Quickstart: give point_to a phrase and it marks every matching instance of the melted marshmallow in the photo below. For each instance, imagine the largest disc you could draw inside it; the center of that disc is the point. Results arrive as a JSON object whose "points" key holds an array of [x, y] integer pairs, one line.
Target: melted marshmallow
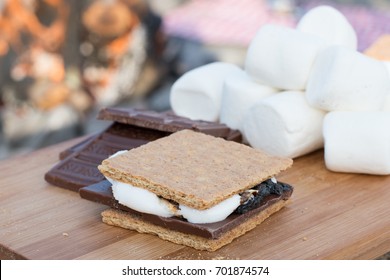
{"points": [[140, 199], [216, 213], [145, 201]]}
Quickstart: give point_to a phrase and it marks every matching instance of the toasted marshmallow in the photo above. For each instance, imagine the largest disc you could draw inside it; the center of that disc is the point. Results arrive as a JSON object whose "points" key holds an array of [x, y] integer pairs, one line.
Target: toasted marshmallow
{"points": [[282, 57], [197, 94], [358, 142], [284, 125], [344, 79], [329, 24], [239, 94]]}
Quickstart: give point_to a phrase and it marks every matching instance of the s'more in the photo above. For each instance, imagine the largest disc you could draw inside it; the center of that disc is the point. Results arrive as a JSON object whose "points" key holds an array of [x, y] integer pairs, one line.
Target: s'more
{"points": [[194, 189]]}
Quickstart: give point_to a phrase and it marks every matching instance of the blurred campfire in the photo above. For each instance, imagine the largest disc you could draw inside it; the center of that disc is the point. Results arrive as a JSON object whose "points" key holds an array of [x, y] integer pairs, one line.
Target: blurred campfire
{"points": [[73, 56]]}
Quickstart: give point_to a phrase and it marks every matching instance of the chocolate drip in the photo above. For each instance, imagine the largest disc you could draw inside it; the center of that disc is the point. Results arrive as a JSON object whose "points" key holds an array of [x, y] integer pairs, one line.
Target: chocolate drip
{"points": [[261, 192]]}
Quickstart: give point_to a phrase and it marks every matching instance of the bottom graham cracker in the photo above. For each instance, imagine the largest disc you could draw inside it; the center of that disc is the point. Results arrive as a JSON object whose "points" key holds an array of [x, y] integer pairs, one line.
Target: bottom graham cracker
{"points": [[130, 221]]}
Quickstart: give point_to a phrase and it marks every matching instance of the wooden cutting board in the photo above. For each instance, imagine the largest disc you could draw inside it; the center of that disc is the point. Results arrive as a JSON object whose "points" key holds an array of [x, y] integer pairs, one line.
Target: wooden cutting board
{"points": [[331, 216]]}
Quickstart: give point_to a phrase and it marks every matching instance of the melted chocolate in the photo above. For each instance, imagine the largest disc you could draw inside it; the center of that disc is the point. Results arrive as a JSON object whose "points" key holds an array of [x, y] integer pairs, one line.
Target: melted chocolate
{"points": [[261, 192]]}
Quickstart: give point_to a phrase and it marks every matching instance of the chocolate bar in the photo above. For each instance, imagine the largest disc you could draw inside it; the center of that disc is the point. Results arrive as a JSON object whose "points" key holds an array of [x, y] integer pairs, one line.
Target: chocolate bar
{"points": [[79, 169], [167, 122], [101, 193], [130, 128], [78, 147]]}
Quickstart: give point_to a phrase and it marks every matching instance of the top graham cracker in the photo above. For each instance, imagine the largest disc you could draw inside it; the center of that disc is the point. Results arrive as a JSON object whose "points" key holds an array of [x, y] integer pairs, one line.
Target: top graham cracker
{"points": [[194, 169]]}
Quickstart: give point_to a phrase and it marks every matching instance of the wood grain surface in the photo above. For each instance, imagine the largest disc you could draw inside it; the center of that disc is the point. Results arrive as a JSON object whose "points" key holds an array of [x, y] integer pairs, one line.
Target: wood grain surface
{"points": [[331, 216]]}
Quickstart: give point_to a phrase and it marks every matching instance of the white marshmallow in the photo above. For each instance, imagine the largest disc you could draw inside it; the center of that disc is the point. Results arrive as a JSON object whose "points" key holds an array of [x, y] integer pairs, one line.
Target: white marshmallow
{"points": [[197, 94], [145, 201], [357, 142], [387, 66], [239, 94], [118, 153], [282, 57], [284, 125], [329, 24], [216, 213], [346, 80], [386, 104], [140, 199]]}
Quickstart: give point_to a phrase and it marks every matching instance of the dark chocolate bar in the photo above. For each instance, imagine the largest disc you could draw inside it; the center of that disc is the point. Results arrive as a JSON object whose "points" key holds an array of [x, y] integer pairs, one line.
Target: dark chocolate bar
{"points": [[78, 147], [168, 122], [101, 193], [79, 169], [131, 128]]}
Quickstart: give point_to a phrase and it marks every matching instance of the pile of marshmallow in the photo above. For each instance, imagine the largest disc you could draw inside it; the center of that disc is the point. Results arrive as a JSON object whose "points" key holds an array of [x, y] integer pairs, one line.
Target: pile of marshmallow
{"points": [[300, 90]]}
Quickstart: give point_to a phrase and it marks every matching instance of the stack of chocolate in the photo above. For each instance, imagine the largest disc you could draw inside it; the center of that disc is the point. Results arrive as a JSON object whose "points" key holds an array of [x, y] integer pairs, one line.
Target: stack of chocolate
{"points": [[130, 128]]}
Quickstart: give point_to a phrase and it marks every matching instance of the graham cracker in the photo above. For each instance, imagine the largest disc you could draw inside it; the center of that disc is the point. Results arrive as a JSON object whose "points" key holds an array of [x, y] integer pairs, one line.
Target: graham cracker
{"points": [[194, 169], [130, 221]]}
